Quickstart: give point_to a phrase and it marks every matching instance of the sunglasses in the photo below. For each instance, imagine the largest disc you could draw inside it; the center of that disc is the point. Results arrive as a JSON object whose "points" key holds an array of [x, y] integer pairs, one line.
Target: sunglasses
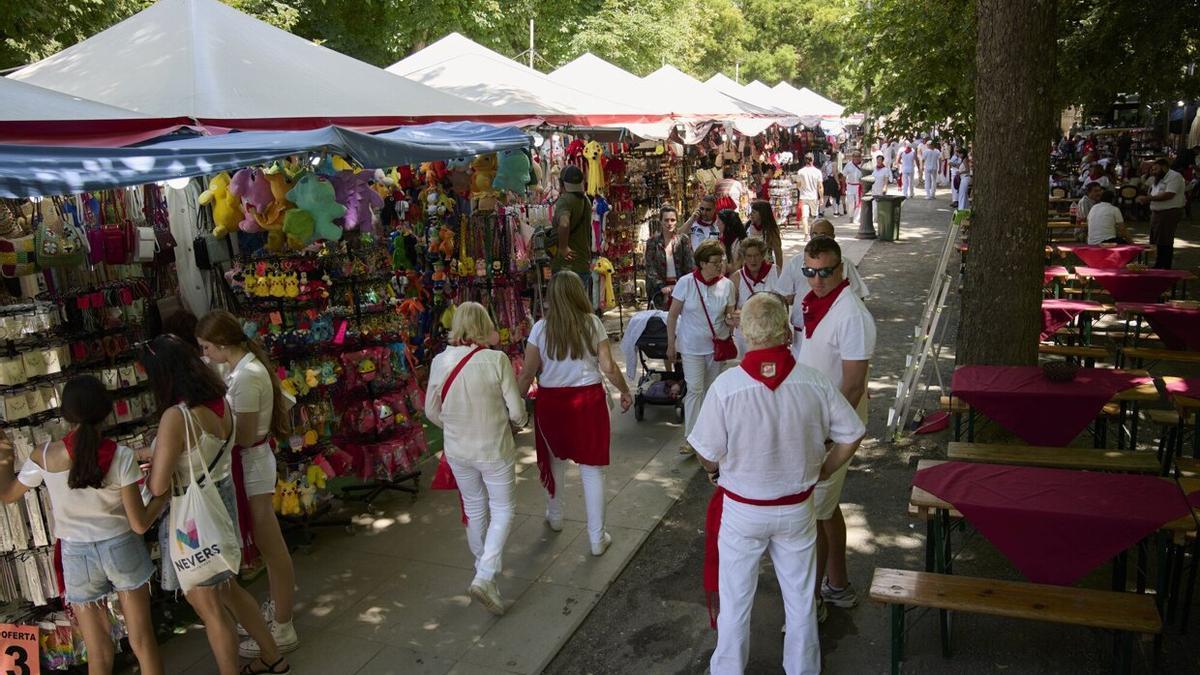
{"points": [[823, 272]]}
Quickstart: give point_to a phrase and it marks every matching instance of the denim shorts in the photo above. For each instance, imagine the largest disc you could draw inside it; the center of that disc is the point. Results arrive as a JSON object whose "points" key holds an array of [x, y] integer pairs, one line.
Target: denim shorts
{"points": [[170, 581], [93, 569]]}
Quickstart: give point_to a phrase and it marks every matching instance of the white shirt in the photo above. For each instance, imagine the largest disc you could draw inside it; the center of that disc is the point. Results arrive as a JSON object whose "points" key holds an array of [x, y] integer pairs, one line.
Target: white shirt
{"points": [[692, 334], [847, 333], [882, 176], [669, 250], [1171, 182], [955, 161], [250, 391], [700, 232], [771, 444], [808, 180], [481, 402], [857, 285], [1102, 222], [853, 173], [908, 160], [828, 168], [87, 514], [932, 159], [745, 289], [578, 372]]}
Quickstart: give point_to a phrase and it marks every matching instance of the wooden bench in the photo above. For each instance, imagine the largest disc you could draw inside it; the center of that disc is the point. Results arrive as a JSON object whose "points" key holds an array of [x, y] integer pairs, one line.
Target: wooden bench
{"points": [[1091, 459], [1124, 613], [1139, 355], [1087, 355]]}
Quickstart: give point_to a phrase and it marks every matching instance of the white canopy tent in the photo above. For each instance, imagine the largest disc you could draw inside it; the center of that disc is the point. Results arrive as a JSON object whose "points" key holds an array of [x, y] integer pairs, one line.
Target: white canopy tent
{"points": [[701, 101], [203, 60], [805, 101], [593, 71], [754, 97], [33, 115], [463, 68]]}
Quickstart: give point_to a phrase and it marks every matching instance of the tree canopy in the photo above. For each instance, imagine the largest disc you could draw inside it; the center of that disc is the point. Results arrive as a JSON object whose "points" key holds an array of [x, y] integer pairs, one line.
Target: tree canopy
{"points": [[908, 63]]}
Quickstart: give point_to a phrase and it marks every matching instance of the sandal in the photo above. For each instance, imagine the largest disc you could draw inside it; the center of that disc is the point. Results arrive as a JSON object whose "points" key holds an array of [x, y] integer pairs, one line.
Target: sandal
{"points": [[267, 668]]}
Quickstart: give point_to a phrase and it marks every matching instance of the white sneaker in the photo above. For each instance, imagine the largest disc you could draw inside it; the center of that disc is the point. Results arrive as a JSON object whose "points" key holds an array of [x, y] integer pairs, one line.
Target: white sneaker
{"points": [[485, 591], [555, 523], [268, 612], [601, 546], [285, 639]]}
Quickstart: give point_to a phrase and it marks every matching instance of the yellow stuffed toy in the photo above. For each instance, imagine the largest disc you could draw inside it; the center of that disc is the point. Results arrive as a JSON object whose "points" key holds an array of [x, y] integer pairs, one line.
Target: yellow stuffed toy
{"points": [[226, 207], [604, 268], [271, 218], [483, 172], [289, 498], [316, 476]]}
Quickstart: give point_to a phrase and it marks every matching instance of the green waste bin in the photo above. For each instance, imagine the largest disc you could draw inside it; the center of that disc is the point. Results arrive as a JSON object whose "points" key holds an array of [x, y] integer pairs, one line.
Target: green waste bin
{"points": [[887, 209]]}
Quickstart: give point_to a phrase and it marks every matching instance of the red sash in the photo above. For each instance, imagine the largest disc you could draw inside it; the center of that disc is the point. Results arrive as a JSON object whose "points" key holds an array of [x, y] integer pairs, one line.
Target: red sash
{"points": [[570, 423], [245, 521], [444, 478], [712, 528]]}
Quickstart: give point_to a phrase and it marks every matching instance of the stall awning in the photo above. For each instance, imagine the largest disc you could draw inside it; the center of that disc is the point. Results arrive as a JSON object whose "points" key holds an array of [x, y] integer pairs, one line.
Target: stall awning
{"points": [[38, 116], [27, 171]]}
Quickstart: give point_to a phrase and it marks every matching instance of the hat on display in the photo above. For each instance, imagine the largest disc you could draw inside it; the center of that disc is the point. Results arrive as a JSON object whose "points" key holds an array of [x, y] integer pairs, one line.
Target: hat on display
{"points": [[572, 178]]}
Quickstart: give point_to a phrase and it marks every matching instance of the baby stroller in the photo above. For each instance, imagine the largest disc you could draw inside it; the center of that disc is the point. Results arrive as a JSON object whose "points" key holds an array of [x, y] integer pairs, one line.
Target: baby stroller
{"points": [[657, 387]]}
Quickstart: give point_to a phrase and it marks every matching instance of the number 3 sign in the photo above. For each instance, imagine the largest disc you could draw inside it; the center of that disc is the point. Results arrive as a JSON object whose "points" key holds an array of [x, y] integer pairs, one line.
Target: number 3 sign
{"points": [[19, 650]]}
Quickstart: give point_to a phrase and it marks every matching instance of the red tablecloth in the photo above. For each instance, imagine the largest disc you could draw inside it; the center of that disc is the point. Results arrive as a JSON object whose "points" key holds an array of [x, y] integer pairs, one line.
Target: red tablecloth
{"points": [[1022, 400], [1056, 525], [1125, 286], [1188, 387], [1057, 313], [1104, 257], [1177, 327], [1053, 272]]}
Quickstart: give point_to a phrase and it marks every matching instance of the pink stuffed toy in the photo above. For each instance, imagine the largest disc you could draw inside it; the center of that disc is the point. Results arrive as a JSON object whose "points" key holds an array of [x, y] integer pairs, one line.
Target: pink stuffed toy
{"points": [[354, 191], [252, 187]]}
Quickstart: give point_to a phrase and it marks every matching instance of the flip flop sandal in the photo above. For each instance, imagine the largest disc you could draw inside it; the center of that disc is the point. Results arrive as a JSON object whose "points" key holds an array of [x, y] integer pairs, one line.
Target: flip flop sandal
{"points": [[267, 668]]}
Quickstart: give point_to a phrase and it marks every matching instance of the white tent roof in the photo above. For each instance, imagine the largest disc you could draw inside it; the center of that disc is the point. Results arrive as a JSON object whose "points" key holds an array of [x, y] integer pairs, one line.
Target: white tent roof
{"points": [[697, 99], [204, 60], [593, 71], [458, 66], [734, 90], [805, 101], [26, 102]]}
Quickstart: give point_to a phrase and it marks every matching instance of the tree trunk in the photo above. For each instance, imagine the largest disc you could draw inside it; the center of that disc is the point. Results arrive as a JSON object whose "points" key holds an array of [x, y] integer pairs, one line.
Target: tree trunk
{"points": [[1002, 293]]}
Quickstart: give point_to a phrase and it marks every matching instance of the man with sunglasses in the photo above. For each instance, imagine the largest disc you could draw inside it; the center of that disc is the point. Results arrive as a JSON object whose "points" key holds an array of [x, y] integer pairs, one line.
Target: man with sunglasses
{"points": [[835, 334]]}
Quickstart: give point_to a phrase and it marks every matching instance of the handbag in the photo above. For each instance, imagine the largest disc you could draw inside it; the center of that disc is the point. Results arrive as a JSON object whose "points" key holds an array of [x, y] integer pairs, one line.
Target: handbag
{"points": [[203, 540], [147, 245], [444, 478], [57, 243], [724, 349]]}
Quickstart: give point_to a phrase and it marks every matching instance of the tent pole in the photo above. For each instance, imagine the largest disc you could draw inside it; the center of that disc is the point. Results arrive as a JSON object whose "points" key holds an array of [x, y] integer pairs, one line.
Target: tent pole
{"points": [[531, 43]]}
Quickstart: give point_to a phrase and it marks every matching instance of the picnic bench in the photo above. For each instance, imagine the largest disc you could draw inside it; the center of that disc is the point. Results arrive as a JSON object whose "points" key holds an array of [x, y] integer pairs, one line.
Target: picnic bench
{"points": [[1126, 614], [1076, 354], [1091, 459]]}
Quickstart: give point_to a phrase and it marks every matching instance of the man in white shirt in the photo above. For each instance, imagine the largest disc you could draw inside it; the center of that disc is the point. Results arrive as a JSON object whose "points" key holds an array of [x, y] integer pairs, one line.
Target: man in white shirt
{"points": [[809, 180], [703, 223], [772, 428], [835, 334], [954, 161], [908, 166], [1105, 224], [1166, 200], [853, 173], [932, 161], [824, 228], [829, 168]]}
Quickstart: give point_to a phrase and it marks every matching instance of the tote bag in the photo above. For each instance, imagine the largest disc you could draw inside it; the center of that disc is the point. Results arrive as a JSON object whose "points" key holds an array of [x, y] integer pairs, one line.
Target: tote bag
{"points": [[204, 539]]}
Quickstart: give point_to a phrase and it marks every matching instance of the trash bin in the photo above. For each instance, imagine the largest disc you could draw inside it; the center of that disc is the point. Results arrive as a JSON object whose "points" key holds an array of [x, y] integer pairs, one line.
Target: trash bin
{"points": [[888, 209]]}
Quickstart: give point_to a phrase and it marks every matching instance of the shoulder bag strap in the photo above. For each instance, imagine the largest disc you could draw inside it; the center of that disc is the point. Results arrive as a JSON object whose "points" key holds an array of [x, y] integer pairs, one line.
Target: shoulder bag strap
{"points": [[457, 369], [700, 294]]}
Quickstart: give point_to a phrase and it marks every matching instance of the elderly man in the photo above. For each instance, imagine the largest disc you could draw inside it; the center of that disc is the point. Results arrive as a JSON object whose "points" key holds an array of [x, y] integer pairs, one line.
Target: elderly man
{"points": [[763, 434], [835, 334], [668, 255], [703, 223], [1166, 200]]}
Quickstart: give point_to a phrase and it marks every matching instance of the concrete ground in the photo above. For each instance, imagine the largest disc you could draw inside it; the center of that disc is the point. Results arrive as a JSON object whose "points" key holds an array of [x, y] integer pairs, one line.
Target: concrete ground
{"points": [[653, 619]]}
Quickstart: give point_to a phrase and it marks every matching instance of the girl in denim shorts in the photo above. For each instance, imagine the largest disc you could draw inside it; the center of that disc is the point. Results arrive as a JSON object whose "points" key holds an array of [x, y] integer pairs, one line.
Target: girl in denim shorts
{"points": [[99, 518]]}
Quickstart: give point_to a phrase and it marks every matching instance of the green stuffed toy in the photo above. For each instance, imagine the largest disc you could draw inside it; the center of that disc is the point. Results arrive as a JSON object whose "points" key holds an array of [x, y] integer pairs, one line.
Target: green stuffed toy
{"points": [[314, 194]]}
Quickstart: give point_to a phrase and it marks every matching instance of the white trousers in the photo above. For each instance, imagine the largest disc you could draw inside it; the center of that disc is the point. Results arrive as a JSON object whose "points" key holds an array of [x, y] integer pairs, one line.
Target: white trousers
{"points": [[930, 183], [908, 183], [593, 495], [953, 190], [789, 534], [964, 192], [699, 372], [486, 487], [853, 200]]}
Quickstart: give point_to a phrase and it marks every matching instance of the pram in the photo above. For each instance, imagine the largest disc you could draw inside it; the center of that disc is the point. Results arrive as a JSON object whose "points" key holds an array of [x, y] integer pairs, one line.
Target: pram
{"points": [[657, 387]]}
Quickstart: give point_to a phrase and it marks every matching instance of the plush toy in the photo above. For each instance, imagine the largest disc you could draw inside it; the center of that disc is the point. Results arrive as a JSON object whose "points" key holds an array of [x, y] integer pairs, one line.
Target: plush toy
{"points": [[226, 207], [298, 227], [483, 172], [353, 190], [433, 172], [278, 288], [458, 164], [316, 476], [308, 498], [445, 244], [251, 186], [277, 497], [460, 182], [593, 152], [289, 499], [291, 287], [513, 171], [383, 182], [272, 217], [315, 195]]}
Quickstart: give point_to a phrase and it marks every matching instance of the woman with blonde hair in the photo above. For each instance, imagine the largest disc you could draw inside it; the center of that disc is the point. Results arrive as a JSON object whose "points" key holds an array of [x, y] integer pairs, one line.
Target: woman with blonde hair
{"points": [[260, 411], [567, 352], [473, 396]]}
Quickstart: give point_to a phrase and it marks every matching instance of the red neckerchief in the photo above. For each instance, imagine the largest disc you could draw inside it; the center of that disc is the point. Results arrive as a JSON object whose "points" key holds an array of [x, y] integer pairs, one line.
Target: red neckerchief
{"points": [[105, 454], [815, 308], [756, 279], [769, 366], [700, 278]]}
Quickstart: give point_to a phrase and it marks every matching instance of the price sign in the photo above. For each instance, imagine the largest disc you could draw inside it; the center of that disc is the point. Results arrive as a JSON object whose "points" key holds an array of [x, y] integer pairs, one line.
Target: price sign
{"points": [[19, 653]]}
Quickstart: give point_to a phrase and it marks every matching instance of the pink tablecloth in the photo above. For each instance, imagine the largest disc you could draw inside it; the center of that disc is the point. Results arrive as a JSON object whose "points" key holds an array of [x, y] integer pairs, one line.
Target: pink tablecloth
{"points": [[1104, 257], [1057, 313], [1125, 286], [1177, 327], [1053, 272], [1188, 387], [1055, 525], [1022, 400]]}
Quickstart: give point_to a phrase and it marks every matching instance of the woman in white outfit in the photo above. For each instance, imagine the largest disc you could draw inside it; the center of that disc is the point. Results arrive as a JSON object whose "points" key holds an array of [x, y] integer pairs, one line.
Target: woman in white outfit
{"points": [[262, 416], [701, 308], [567, 352], [756, 275], [473, 396]]}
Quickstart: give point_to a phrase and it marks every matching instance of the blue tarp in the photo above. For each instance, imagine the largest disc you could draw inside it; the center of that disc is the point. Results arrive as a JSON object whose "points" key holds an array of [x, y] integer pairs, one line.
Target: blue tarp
{"points": [[29, 171]]}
